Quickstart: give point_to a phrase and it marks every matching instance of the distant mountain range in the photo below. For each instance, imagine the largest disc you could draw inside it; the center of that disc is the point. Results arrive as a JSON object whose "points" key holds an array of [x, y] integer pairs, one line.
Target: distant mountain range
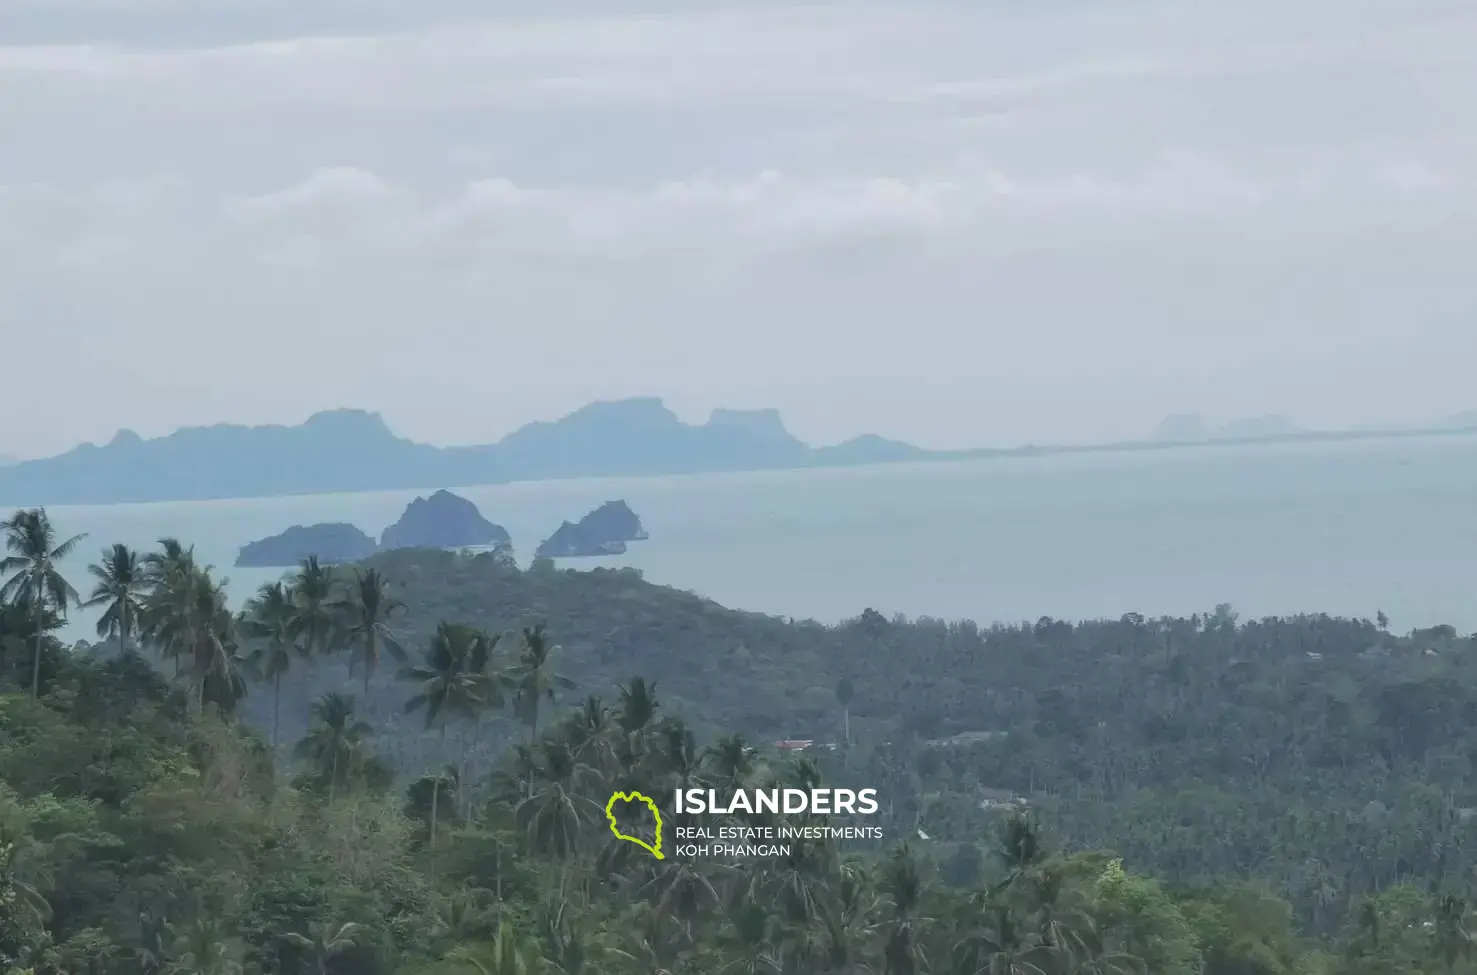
{"points": [[354, 450], [1194, 428]]}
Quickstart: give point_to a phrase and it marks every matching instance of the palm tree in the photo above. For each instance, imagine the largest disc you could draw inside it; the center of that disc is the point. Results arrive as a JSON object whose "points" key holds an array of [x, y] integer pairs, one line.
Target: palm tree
{"points": [[510, 954], [1002, 947], [1021, 848], [534, 677], [121, 587], [1451, 939], [205, 947], [364, 613], [732, 761], [555, 815], [38, 584], [751, 937], [443, 782], [335, 744], [635, 716], [312, 593], [572, 947], [268, 617], [843, 921], [449, 682], [844, 694], [329, 940], [20, 890], [452, 682], [902, 885], [586, 731], [168, 619], [202, 625]]}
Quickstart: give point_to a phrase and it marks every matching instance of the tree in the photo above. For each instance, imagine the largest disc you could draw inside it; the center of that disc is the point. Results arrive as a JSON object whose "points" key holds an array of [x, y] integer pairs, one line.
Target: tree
{"points": [[170, 609], [312, 595], [188, 616], [364, 612], [335, 744], [1453, 941], [449, 684], [902, 889], [37, 583], [844, 695], [509, 954], [328, 940], [554, 815], [534, 677], [268, 617], [121, 588]]}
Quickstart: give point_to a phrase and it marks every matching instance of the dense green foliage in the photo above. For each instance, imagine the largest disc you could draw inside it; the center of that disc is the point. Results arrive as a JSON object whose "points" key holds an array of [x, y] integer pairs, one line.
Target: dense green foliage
{"points": [[216, 792]]}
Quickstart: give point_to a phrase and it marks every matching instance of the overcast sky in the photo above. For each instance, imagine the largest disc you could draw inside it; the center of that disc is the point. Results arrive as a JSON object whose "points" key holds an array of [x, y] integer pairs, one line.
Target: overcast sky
{"points": [[960, 223]]}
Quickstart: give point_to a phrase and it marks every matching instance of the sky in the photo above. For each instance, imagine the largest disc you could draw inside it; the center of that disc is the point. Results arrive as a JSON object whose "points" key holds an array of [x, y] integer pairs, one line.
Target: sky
{"points": [[958, 223]]}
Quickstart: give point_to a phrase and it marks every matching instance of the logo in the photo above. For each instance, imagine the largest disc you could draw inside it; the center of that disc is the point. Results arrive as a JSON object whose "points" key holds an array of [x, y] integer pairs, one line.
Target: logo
{"points": [[821, 802], [655, 849]]}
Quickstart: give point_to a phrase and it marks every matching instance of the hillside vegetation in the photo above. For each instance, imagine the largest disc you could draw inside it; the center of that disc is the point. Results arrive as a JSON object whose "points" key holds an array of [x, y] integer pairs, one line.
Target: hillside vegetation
{"points": [[217, 793]]}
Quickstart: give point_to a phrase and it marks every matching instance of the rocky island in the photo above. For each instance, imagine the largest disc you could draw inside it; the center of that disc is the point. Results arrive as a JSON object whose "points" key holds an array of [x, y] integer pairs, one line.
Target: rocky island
{"points": [[443, 520], [332, 543], [604, 531]]}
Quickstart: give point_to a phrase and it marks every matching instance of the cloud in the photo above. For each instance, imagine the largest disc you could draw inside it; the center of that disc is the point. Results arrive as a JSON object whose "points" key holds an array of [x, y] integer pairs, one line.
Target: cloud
{"points": [[965, 206], [877, 53], [982, 189]]}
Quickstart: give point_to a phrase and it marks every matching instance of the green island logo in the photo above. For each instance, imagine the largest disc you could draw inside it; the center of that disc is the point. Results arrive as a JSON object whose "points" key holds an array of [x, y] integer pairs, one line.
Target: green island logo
{"points": [[655, 850]]}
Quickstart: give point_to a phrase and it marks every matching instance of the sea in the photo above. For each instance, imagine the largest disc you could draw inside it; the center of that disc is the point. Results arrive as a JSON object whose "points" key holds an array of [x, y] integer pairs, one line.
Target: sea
{"points": [[1345, 528]]}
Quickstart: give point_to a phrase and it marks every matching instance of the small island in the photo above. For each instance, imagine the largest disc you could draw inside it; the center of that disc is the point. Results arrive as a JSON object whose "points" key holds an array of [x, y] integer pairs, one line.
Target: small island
{"points": [[604, 531], [332, 543], [443, 520]]}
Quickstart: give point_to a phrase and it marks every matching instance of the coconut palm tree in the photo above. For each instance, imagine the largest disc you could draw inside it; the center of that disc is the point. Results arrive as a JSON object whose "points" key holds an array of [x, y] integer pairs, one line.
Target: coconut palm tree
{"points": [[37, 583], [731, 760], [573, 945], [204, 947], [452, 683], [1001, 946], [169, 610], [20, 889], [555, 814], [328, 940], [122, 586], [534, 677], [636, 714], [587, 731], [751, 938], [903, 889], [449, 684], [363, 614], [335, 745], [509, 954], [844, 694], [187, 615], [312, 593], [268, 617], [1453, 941]]}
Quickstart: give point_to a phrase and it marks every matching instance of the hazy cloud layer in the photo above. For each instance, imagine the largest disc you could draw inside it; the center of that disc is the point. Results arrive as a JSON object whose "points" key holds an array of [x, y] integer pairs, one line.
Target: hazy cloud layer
{"points": [[953, 222]]}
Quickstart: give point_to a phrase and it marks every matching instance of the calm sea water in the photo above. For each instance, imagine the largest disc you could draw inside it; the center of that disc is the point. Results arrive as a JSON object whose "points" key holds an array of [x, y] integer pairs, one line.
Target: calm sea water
{"points": [[1340, 528]]}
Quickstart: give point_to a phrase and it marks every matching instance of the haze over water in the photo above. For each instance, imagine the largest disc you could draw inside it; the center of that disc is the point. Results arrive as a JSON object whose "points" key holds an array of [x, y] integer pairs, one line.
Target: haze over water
{"points": [[1342, 528]]}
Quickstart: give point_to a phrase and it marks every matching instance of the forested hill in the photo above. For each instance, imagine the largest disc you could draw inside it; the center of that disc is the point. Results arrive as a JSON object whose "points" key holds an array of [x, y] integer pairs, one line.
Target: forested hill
{"points": [[1207, 747], [1102, 703], [1301, 788], [1153, 685]]}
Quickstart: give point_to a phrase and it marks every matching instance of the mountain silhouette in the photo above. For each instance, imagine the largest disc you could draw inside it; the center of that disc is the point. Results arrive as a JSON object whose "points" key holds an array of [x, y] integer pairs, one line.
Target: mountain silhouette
{"points": [[354, 450]]}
